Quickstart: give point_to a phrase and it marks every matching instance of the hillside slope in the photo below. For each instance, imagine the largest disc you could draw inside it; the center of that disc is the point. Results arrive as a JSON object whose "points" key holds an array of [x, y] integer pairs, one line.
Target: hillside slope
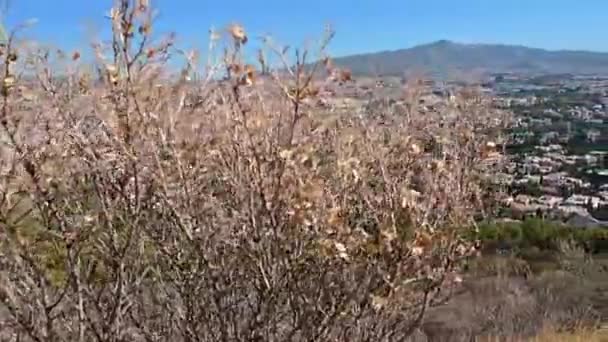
{"points": [[445, 57]]}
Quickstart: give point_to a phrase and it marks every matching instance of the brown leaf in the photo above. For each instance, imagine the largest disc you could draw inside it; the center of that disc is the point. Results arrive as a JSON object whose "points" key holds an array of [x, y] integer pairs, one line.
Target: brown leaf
{"points": [[238, 33]]}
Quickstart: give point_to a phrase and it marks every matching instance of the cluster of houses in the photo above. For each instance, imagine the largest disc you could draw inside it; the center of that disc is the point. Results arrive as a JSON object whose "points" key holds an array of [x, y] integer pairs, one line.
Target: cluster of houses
{"points": [[557, 194], [576, 209], [548, 174]]}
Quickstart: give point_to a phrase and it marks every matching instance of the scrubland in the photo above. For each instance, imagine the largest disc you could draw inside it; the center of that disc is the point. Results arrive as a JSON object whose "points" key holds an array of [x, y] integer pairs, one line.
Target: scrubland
{"points": [[224, 202]]}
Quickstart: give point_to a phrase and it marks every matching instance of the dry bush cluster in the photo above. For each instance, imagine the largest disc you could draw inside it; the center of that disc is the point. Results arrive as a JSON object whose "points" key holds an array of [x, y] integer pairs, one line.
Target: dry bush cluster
{"points": [[508, 308], [140, 205], [502, 299]]}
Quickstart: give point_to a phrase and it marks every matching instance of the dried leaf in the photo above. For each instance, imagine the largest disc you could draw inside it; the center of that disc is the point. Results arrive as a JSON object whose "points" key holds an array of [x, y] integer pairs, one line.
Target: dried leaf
{"points": [[238, 33]]}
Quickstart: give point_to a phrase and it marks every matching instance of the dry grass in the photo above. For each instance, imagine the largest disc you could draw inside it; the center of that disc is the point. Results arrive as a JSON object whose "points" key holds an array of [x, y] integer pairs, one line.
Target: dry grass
{"points": [[582, 336], [549, 335]]}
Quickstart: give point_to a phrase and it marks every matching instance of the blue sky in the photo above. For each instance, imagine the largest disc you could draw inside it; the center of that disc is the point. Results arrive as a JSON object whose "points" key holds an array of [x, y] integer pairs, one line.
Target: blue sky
{"points": [[361, 25]]}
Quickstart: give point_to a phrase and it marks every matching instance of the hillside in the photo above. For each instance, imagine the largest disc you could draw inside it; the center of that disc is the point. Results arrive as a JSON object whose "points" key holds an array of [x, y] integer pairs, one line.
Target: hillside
{"points": [[444, 58]]}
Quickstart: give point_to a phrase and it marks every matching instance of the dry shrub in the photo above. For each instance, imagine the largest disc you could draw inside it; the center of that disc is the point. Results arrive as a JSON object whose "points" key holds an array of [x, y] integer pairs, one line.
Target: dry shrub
{"points": [[510, 308], [503, 300], [140, 206]]}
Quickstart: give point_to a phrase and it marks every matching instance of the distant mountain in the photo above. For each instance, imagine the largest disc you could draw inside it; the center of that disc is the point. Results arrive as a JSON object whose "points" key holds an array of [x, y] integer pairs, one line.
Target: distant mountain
{"points": [[444, 58]]}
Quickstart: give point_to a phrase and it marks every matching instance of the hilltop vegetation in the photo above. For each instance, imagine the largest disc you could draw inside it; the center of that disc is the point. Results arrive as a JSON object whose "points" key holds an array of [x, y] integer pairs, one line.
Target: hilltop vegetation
{"points": [[231, 203], [221, 204]]}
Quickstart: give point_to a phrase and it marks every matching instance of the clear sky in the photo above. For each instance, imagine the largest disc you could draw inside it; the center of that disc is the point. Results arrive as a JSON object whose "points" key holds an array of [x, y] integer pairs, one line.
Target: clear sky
{"points": [[361, 25]]}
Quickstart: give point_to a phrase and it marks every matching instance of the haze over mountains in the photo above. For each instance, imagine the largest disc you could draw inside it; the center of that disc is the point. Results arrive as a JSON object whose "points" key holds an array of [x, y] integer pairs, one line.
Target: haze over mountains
{"points": [[443, 58]]}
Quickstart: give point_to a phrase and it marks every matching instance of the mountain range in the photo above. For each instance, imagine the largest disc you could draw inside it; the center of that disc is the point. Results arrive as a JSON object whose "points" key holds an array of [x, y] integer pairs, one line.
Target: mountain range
{"points": [[444, 58]]}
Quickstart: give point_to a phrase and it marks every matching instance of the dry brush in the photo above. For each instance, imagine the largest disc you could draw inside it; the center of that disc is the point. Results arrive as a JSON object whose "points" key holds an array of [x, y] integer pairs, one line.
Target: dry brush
{"points": [[138, 205]]}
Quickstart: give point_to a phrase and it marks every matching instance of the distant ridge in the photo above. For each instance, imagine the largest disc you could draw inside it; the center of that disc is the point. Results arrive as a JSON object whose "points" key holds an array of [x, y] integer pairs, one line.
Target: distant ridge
{"points": [[443, 58]]}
